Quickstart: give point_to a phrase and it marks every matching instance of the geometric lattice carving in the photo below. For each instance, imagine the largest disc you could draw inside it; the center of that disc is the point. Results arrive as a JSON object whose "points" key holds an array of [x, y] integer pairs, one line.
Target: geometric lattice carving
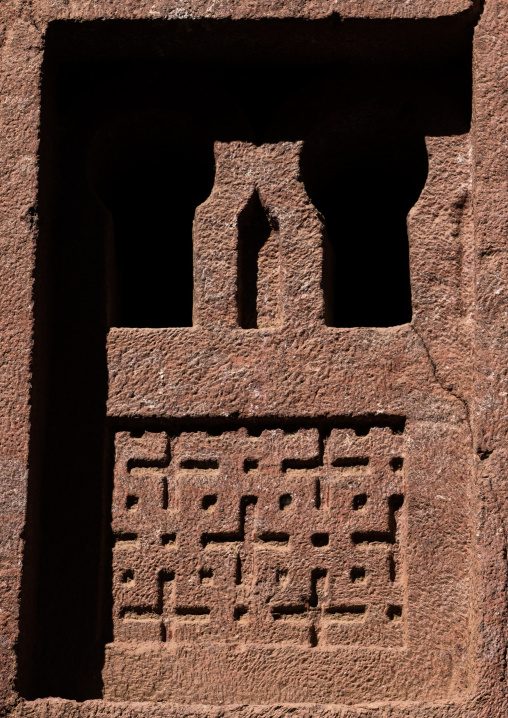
{"points": [[269, 538]]}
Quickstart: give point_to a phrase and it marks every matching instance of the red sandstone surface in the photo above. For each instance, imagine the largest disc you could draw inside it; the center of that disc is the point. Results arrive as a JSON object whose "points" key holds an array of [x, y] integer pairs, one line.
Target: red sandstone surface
{"points": [[253, 395]]}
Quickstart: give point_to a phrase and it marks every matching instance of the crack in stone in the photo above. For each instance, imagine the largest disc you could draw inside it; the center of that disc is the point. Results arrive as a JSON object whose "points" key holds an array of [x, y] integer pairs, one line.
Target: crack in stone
{"points": [[443, 386]]}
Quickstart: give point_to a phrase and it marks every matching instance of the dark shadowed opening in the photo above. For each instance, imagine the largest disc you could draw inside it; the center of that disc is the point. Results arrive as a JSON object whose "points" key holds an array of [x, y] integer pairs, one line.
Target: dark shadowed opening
{"points": [[365, 206], [253, 231], [151, 171], [364, 165]]}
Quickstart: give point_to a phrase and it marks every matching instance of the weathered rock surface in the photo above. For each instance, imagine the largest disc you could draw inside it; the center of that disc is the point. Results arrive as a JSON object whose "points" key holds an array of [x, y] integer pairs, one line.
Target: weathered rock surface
{"points": [[263, 513]]}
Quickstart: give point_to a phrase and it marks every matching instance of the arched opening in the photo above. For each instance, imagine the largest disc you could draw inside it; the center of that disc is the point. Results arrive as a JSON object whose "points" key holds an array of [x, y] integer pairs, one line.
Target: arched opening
{"points": [[365, 206], [258, 267], [152, 170], [369, 183]]}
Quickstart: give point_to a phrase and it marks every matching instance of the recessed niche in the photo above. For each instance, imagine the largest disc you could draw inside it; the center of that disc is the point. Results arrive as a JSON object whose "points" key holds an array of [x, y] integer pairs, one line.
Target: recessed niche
{"points": [[130, 111]]}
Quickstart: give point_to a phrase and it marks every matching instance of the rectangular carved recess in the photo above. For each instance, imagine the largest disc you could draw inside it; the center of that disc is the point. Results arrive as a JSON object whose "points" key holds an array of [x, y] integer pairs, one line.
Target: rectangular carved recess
{"points": [[278, 539], [269, 538]]}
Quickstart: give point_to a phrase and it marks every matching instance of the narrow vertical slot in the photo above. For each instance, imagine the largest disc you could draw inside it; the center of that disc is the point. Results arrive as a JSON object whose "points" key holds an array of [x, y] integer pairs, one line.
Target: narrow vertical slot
{"points": [[253, 231]]}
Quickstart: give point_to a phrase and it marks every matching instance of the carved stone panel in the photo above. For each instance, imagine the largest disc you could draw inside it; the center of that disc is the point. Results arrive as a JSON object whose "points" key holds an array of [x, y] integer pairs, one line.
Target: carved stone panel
{"points": [[273, 538], [283, 553], [282, 527]]}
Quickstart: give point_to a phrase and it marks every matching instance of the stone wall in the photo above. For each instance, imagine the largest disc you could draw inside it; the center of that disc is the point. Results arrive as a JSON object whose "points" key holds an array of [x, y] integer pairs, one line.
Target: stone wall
{"points": [[254, 328]]}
